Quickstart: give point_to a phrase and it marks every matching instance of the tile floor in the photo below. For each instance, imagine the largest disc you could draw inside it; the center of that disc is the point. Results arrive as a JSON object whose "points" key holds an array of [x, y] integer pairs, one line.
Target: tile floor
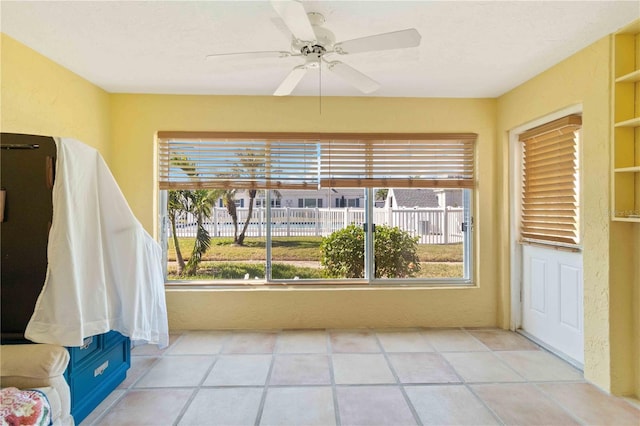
{"points": [[356, 377]]}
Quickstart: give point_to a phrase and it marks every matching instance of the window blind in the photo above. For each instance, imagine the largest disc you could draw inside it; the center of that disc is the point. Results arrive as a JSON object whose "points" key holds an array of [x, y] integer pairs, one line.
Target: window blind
{"points": [[237, 164], [209, 160], [437, 161], [550, 199]]}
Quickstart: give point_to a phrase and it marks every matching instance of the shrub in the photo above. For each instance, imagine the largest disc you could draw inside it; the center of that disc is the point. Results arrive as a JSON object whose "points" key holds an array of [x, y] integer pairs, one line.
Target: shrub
{"points": [[342, 253], [395, 251]]}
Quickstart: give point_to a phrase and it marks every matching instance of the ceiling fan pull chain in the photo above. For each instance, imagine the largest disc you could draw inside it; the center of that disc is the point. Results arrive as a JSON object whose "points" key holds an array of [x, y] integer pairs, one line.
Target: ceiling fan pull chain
{"points": [[320, 83]]}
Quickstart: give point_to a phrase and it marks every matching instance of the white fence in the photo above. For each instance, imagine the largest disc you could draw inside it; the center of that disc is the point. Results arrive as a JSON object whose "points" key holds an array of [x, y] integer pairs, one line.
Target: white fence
{"points": [[431, 225]]}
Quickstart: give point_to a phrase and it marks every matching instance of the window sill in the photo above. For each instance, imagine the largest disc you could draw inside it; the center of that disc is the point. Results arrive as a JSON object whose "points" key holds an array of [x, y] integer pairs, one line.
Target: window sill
{"points": [[335, 285]]}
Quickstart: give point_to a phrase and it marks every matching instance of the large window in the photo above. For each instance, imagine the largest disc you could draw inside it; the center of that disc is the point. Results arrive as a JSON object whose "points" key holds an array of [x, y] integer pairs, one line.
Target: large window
{"points": [[317, 208]]}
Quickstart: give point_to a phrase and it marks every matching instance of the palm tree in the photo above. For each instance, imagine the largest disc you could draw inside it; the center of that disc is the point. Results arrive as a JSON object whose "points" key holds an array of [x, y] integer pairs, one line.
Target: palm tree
{"points": [[381, 194], [240, 239], [200, 204], [254, 161], [177, 207]]}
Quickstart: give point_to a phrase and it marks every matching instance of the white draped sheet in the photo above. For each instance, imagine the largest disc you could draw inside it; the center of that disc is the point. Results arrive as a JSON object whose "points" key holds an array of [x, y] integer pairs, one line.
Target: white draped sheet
{"points": [[105, 270]]}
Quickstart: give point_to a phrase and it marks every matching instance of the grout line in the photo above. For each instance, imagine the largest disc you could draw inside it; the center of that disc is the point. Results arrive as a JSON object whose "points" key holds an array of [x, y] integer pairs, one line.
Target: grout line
{"points": [[482, 401], [557, 404], [332, 377], [466, 384], [186, 406], [196, 389], [413, 410], [265, 388]]}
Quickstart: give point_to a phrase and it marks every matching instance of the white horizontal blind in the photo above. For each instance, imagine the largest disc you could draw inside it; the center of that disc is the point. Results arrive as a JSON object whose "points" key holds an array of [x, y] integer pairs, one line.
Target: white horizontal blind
{"points": [[550, 200], [192, 160], [438, 161], [237, 164]]}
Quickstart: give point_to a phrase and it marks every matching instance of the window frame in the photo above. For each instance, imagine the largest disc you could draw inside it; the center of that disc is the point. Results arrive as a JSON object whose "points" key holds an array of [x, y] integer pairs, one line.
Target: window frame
{"points": [[469, 189]]}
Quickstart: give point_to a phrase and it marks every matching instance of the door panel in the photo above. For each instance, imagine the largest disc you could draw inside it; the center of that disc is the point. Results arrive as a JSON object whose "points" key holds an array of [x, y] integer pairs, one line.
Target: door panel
{"points": [[552, 298], [538, 285]]}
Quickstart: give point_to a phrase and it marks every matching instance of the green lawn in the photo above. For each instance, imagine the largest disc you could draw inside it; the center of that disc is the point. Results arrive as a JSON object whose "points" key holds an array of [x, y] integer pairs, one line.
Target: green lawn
{"points": [[224, 261], [296, 248], [237, 271]]}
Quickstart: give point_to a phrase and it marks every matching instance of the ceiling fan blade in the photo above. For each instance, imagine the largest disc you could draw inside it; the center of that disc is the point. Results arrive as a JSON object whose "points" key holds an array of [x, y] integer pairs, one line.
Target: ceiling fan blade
{"points": [[354, 77], [247, 55], [295, 17], [291, 81], [386, 41]]}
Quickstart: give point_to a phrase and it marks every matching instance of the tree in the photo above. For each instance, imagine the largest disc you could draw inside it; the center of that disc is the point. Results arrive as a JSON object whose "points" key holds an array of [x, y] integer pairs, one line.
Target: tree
{"points": [[200, 204], [229, 201], [381, 194], [252, 196], [176, 208]]}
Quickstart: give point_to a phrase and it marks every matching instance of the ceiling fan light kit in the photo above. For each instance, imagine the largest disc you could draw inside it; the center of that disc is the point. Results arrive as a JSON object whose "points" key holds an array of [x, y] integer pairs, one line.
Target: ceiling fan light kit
{"points": [[312, 42]]}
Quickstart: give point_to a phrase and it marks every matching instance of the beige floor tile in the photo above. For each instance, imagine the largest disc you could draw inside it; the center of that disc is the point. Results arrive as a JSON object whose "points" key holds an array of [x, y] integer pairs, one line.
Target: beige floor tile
{"points": [[250, 343], [302, 341], [422, 368], [239, 370], [503, 340], [139, 366], [481, 367], [453, 340], [522, 404], [153, 350], [298, 406], [361, 369], [540, 366], [155, 407], [373, 405], [449, 405], [403, 341], [176, 371], [305, 369], [591, 405], [199, 343], [104, 406], [223, 407], [353, 341]]}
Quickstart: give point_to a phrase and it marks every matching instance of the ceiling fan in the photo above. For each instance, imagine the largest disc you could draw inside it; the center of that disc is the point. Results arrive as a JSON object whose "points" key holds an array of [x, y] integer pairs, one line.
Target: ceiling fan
{"points": [[311, 42]]}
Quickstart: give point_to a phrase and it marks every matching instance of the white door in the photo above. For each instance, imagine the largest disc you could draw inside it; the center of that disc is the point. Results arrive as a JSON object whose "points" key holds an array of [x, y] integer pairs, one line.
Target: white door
{"points": [[552, 299]]}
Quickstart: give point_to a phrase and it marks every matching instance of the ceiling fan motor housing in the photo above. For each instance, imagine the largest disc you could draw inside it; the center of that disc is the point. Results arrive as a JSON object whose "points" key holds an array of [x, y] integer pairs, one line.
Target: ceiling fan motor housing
{"points": [[325, 39]]}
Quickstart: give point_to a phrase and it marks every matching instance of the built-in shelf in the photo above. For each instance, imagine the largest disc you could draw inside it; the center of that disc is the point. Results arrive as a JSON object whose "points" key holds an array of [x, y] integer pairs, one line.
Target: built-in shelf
{"points": [[627, 169], [625, 132], [632, 77], [626, 219], [634, 122]]}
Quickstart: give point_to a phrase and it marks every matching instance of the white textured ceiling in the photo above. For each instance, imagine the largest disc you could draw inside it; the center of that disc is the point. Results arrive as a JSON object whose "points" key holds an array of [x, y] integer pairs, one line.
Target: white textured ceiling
{"points": [[469, 49]]}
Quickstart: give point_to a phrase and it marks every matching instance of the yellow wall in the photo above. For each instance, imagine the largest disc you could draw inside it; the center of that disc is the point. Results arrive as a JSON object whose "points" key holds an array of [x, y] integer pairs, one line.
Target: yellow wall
{"points": [[135, 119], [38, 96], [609, 247]]}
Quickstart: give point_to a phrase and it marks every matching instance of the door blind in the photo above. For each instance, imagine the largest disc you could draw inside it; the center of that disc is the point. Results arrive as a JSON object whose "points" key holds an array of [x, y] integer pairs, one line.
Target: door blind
{"points": [[550, 200]]}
